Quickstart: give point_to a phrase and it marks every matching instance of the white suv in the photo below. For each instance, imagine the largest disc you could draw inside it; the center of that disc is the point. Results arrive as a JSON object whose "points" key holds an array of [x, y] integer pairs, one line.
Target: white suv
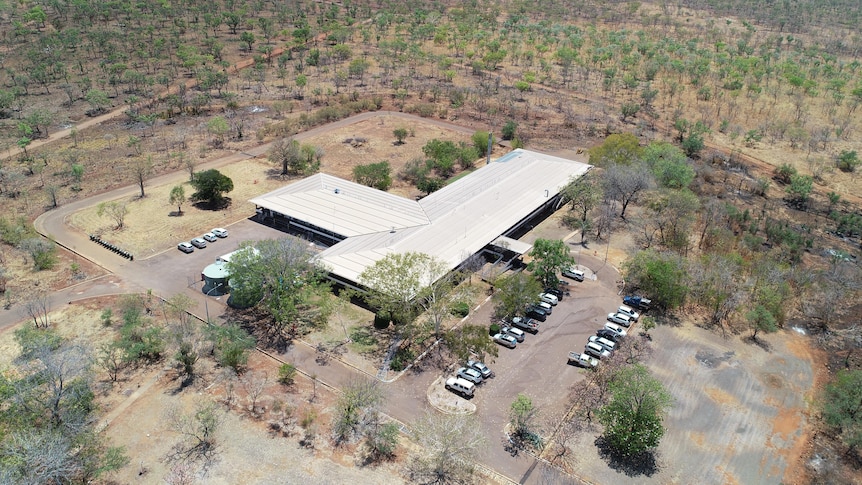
{"points": [[627, 310], [620, 318]]}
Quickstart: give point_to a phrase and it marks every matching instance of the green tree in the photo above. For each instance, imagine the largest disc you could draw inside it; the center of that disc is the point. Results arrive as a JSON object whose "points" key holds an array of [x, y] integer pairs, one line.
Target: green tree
{"points": [[210, 186], [178, 198], [800, 189], [395, 281], [231, 345], [218, 127], [669, 165], [847, 161], [117, 211], [373, 175], [549, 258], [660, 275], [760, 318], [514, 293], [400, 134], [841, 404], [279, 277], [633, 416], [77, 172], [522, 419], [430, 184], [294, 158], [628, 110], [98, 99], [480, 142], [509, 129], [616, 149], [248, 39], [287, 374], [470, 340]]}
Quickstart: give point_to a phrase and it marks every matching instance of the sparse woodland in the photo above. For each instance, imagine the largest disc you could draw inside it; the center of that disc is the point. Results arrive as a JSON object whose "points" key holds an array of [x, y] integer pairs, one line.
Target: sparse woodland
{"points": [[726, 131]]}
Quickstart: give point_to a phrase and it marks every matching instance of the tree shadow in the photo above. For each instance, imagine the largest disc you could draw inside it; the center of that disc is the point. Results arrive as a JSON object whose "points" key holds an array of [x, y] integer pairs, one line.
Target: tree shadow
{"points": [[176, 214], [636, 465], [758, 342], [213, 205]]}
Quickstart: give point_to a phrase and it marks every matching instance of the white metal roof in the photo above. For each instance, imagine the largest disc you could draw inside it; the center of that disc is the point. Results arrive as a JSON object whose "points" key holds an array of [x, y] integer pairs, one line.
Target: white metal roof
{"points": [[342, 206], [450, 224]]}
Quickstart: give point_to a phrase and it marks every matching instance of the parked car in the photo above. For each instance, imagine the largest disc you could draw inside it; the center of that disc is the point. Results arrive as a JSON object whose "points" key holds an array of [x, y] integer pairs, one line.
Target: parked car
{"points": [[526, 323], [469, 374], [607, 344], [545, 306], [553, 291], [186, 247], [549, 298], [617, 329], [482, 368], [608, 334], [506, 340], [219, 232], [460, 386], [596, 350], [638, 302], [627, 310], [563, 284], [623, 320], [582, 360], [515, 332], [574, 274], [537, 314], [199, 243], [210, 237]]}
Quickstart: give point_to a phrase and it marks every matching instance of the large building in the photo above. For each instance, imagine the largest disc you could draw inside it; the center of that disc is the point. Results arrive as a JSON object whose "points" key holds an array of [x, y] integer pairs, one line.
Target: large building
{"points": [[483, 211]]}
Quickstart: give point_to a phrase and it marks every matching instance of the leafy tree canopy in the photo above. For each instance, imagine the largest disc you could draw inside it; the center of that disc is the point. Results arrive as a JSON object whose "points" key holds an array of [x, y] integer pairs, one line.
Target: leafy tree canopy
{"points": [[633, 417], [842, 406], [373, 175], [514, 293], [549, 258], [616, 149], [661, 276], [396, 280], [670, 166], [211, 185]]}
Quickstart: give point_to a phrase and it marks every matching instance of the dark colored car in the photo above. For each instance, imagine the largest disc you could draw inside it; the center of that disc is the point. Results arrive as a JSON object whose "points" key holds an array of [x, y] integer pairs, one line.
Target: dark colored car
{"points": [[537, 314], [605, 333]]}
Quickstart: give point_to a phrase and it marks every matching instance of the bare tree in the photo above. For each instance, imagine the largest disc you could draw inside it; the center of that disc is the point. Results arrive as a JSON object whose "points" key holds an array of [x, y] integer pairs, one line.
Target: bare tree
{"points": [[37, 307], [39, 456], [199, 429], [625, 183], [449, 444], [254, 384], [357, 408], [111, 359], [141, 169]]}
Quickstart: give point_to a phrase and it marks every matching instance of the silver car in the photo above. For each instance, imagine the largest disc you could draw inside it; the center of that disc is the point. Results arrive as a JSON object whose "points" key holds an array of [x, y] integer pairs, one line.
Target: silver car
{"points": [[199, 243], [482, 368], [469, 374], [515, 332], [219, 232], [505, 339], [596, 350], [620, 319]]}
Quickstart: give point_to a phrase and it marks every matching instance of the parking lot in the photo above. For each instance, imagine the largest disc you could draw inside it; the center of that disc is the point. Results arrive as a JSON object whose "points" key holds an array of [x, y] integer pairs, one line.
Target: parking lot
{"points": [[538, 366]]}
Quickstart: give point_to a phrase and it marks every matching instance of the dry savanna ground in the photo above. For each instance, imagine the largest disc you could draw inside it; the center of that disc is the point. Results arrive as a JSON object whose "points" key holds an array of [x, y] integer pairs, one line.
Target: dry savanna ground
{"points": [[152, 224]]}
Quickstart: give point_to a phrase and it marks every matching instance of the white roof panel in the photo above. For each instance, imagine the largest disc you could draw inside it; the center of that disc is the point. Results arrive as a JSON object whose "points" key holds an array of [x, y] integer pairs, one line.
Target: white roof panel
{"points": [[450, 224]]}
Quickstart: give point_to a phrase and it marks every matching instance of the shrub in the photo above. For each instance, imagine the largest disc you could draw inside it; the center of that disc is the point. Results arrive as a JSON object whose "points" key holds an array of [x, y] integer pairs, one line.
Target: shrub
{"points": [[461, 309], [848, 161], [494, 329], [784, 173], [373, 175], [287, 374], [509, 130], [402, 358]]}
